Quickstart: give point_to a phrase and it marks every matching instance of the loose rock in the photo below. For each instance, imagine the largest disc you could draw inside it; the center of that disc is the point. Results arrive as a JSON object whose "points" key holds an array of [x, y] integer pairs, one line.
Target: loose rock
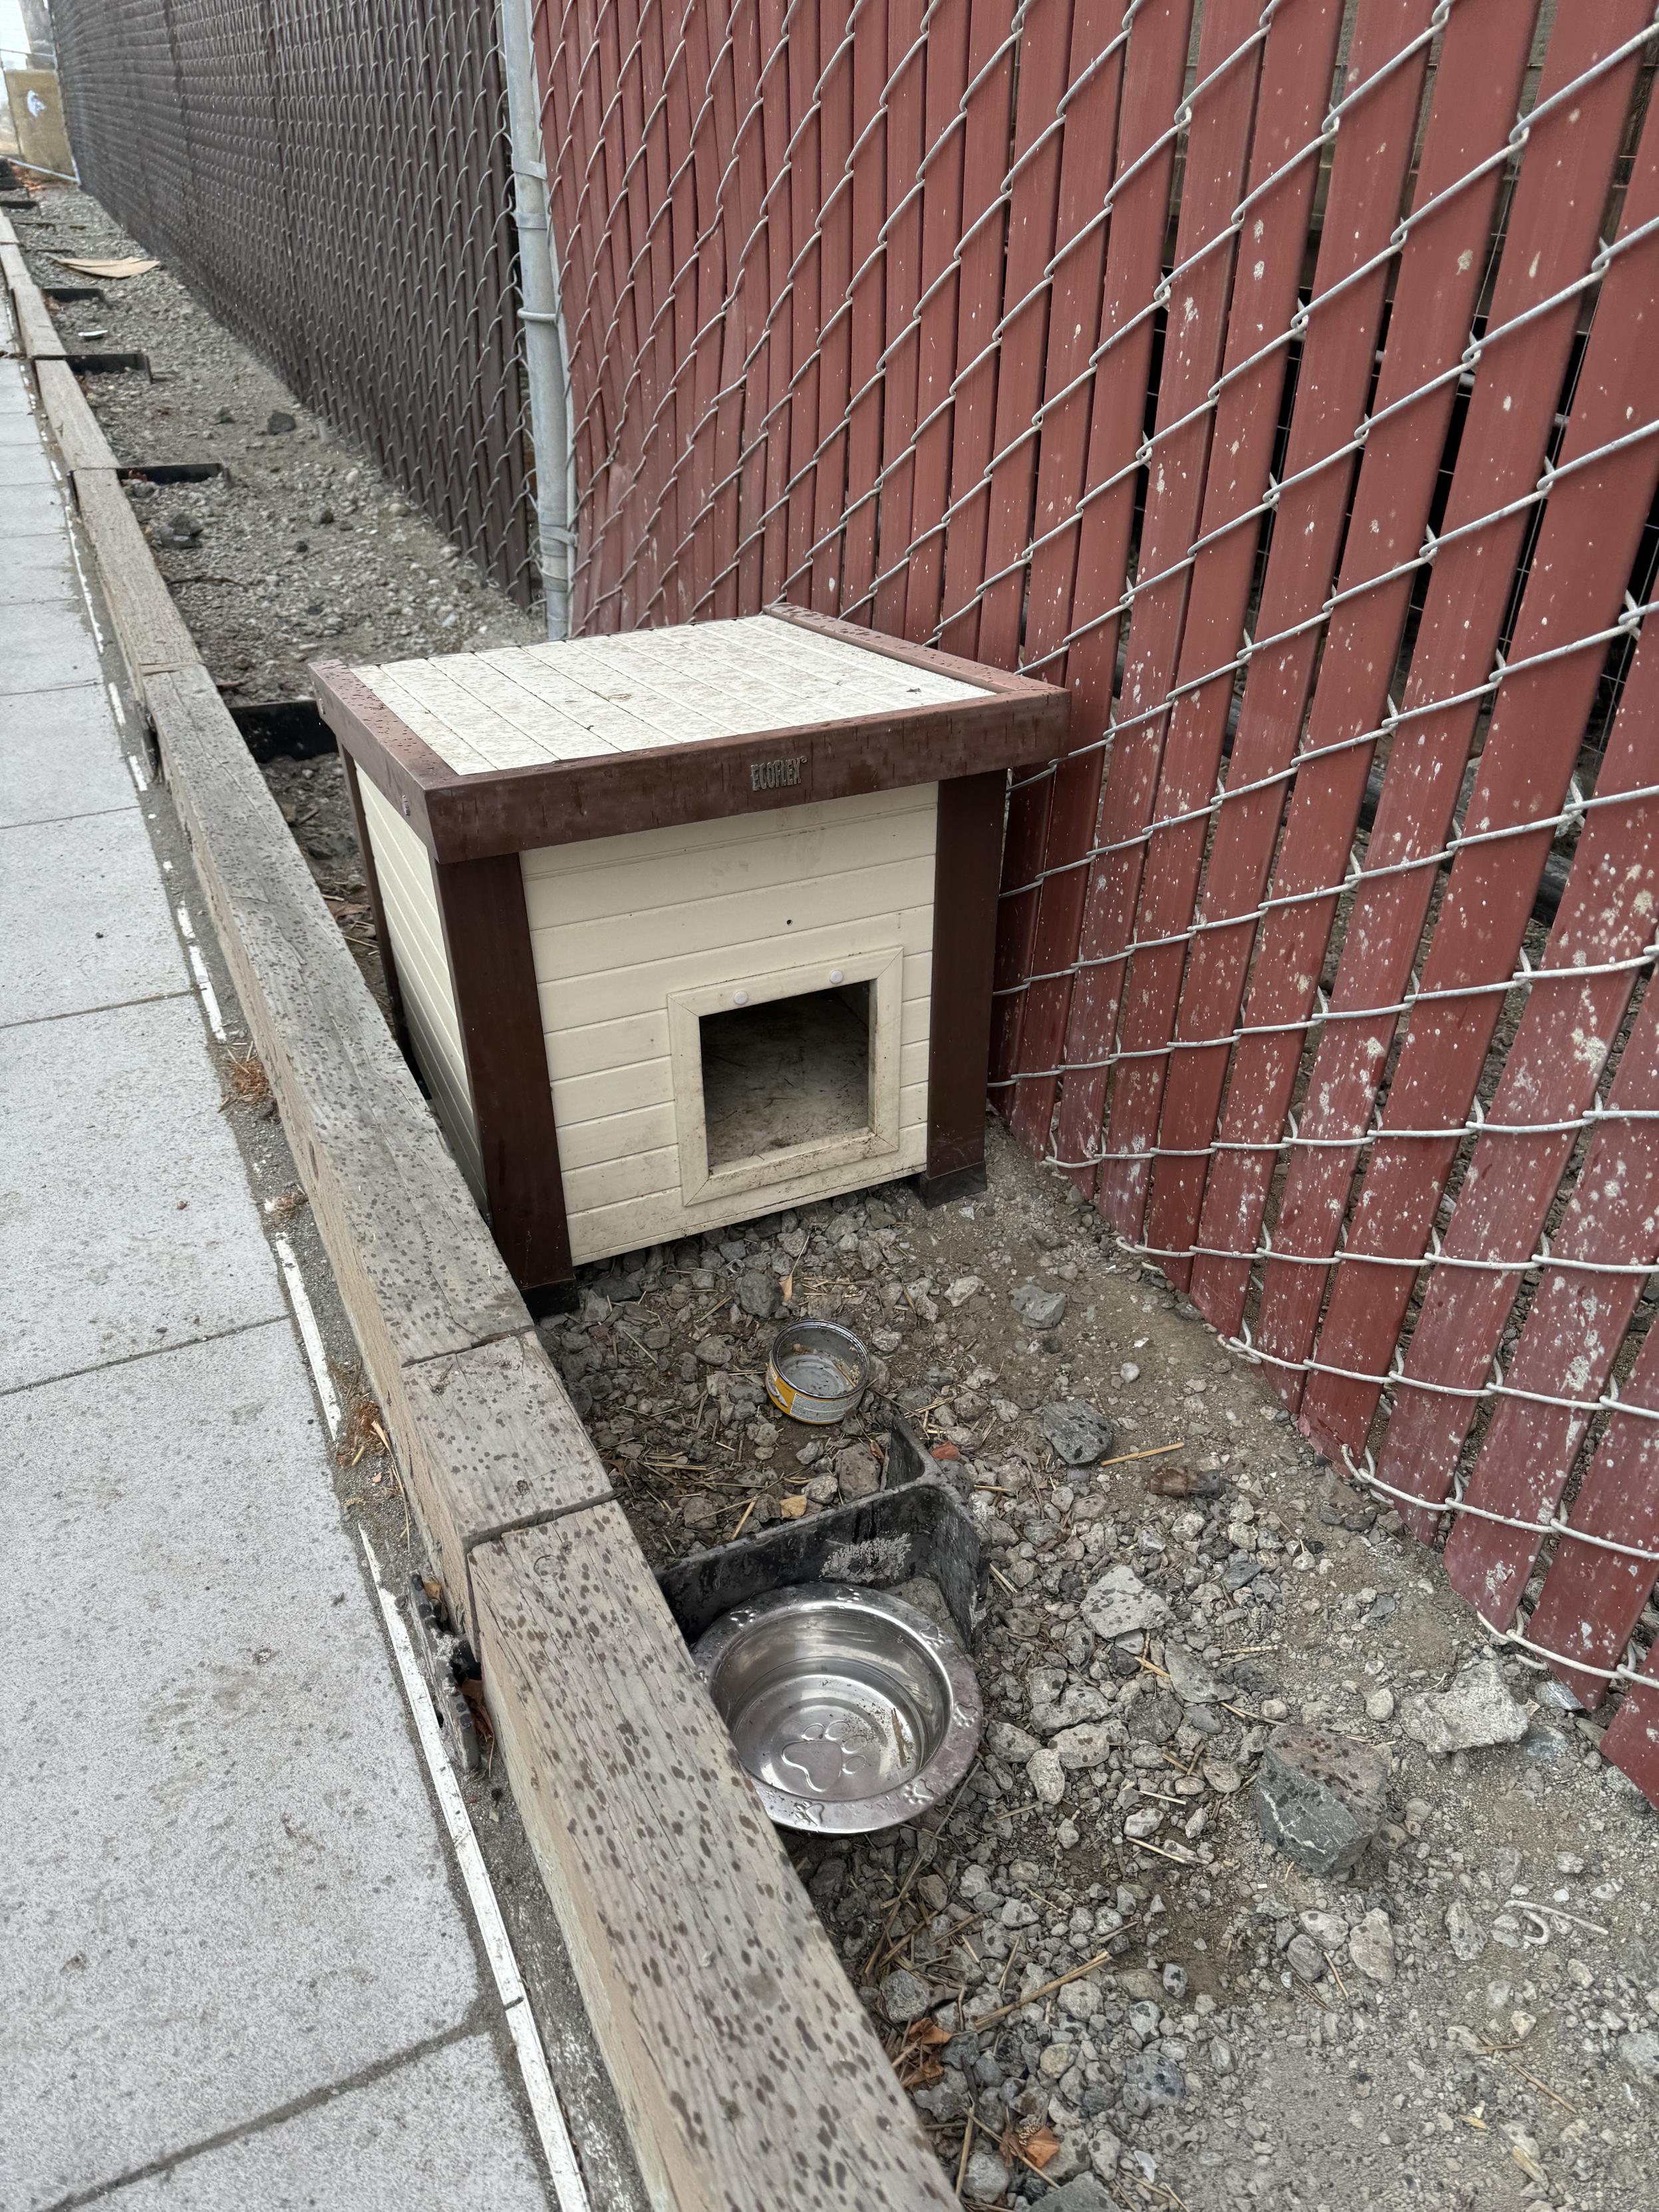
{"points": [[1475, 1712], [1120, 1604], [1080, 1436], [1320, 1797], [758, 1295], [904, 1996], [1046, 1773], [1467, 1937], [986, 2179], [1042, 1309], [1372, 1948]]}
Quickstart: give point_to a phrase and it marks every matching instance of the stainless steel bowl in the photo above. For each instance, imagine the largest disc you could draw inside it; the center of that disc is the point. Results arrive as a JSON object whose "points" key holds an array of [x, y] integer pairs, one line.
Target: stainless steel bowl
{"points": [[851, 1710]]}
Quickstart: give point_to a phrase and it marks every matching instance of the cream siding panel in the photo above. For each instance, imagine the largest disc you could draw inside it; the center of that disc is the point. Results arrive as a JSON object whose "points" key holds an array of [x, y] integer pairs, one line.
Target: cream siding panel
{"points": [[410, 902], [621, 925]]}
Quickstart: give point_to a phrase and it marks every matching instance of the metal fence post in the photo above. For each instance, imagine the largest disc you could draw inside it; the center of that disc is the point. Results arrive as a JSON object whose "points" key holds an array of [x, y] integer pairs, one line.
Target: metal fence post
{"points": [[546, 370]]}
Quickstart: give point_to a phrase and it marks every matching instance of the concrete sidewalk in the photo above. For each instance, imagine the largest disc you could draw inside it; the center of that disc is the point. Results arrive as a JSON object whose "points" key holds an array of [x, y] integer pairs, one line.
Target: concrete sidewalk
{"points": [[238, 1967]]}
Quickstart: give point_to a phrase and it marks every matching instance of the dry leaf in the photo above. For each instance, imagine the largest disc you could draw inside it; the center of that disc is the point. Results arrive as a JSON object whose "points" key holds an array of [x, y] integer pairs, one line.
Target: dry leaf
{"points": [[787, 1289], [1039, 2147], [128, 266], [792, 1509], [1529, 2165], [473, 1690], [945, 1449]]}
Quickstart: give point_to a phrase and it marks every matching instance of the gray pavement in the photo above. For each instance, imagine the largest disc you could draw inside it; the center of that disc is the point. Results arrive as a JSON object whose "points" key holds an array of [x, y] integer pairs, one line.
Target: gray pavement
{"points": [[237, 1967]]}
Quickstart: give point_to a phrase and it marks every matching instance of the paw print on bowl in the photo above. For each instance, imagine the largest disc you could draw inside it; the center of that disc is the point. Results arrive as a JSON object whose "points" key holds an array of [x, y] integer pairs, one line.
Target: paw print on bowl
{"points": [[839, 1748]]}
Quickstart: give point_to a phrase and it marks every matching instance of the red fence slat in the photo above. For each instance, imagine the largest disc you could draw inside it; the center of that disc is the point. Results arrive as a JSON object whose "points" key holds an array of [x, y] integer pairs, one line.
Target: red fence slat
{"points": [[1368, 174], [1153, 71], [1483, 56], [1297, 69], [1217, 149], [1592, 523]]}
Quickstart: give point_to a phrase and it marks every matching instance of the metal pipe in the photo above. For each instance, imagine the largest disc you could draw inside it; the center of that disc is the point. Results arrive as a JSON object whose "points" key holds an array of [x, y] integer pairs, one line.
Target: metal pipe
{"points": [[547, 371]]}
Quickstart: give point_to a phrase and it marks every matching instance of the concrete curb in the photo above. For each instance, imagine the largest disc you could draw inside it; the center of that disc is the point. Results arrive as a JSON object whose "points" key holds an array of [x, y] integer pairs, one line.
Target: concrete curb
{"points": [[746, 2069]]}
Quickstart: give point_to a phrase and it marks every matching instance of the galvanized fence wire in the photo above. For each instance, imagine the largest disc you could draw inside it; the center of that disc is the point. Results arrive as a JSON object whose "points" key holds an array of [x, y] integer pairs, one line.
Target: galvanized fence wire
{"points": [[747, 323], [335, 184], [1295, 333]]}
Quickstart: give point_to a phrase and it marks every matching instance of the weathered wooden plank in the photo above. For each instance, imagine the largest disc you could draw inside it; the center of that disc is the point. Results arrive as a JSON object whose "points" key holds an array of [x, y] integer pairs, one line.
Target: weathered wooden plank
{"points": [[1297, 67], [746, 2069], [81, 443], [1153, 75], [1550, 1075], [490, 1442], [1576, 586], [418, 1277], [1552, 234], [35, 327], [970, 811], [486, 935], [151, 629], [1089, 110]]}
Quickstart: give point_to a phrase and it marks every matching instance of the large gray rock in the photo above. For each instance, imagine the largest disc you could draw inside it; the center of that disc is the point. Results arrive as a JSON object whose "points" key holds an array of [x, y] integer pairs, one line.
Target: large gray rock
{"points": [[758, 1295], [1042, 1309], [1091, 1745], [904, 1996], [986, 2181], [1120, 1604], [1320, 1797], [1639, 2054], [1475, 1712], [1080, 1436], [1190, 1679]]}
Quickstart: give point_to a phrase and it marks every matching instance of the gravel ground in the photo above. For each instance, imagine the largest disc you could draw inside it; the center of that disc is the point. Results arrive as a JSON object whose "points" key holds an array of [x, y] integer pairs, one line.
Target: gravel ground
{"points": [[1094, 1969], [300, 547], [1247, 2031]]}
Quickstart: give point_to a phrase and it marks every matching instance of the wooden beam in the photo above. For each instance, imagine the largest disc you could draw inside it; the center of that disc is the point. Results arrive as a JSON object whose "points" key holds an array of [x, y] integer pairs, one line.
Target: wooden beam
{"points": [[966, 868], [493, 966], [81, 443], [747, 2070], [153, 634]]}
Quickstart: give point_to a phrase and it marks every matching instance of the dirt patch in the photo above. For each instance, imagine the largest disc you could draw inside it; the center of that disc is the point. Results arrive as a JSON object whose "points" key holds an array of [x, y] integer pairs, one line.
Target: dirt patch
{"points": [[1192, 2062]]}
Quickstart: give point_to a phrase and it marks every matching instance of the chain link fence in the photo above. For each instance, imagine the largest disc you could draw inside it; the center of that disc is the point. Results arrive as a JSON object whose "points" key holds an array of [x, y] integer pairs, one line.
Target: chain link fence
{"points": [[1277, 378], [333, 182]]}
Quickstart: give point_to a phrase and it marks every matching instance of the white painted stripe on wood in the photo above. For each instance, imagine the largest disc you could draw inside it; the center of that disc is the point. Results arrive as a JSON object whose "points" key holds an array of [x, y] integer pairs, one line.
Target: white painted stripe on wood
{"points": [[643, 1175], [409, 899], [614, 1098], [777, 915]]}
